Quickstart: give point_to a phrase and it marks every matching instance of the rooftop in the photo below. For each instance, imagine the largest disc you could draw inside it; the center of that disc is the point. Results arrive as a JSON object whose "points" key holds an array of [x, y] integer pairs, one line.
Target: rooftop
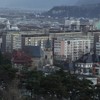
{"points": [[33, 51]]}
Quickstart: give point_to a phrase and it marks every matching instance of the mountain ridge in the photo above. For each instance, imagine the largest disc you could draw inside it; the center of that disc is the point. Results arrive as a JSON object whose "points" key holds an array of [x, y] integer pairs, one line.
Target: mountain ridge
{"points": [[88, 11], [84, 2]]}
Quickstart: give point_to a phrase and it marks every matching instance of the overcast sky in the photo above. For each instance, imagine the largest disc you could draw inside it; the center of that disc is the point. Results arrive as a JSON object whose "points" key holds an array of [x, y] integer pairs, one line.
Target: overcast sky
{"points": [[35, 4]]}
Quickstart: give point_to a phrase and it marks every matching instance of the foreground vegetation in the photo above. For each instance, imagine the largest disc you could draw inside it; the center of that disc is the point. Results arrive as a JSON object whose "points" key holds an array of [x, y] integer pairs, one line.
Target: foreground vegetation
{"points": [[36, 85], [57, 86]]}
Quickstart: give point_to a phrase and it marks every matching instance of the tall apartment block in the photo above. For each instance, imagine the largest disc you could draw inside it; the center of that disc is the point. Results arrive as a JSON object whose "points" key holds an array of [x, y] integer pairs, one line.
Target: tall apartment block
{"points": [[72, 48]]}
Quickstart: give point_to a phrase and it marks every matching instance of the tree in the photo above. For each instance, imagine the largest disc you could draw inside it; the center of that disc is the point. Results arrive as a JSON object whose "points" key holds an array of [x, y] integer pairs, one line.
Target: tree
{"points": [[97, 92], [52, 86], [7, 74], [30, 80], [57, 85]]}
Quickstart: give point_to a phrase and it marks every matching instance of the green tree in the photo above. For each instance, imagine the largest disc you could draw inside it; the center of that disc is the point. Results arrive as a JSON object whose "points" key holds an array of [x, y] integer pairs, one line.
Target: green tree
{"points": [[57, 85], [30, 80], [52, 86], [97, 92], [7, 73]]}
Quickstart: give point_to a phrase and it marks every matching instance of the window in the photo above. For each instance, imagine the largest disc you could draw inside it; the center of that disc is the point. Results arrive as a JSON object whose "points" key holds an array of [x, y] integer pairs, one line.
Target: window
{"points": [[97, 71], [45, 56]]}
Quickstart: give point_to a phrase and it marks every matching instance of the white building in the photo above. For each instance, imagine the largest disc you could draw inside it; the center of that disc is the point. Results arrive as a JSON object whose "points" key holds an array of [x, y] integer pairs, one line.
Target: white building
{"points": [[98, 48], [13, 41], [8, 25], [88, 69], [72, 48], [73, 24]]}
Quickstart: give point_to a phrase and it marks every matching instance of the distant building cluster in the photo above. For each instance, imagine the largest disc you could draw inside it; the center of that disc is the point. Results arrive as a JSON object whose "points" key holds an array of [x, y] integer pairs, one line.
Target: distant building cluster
{"points": [[82, 24], [47, 43]]}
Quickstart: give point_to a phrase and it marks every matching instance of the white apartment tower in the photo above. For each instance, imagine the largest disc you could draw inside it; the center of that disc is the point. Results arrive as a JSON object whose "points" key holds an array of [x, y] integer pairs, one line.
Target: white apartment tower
{"points": [[72, 48]]}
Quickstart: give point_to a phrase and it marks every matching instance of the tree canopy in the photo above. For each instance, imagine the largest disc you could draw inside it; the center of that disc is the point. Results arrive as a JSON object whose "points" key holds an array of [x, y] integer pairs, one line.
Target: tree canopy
{"points": [[58, 85]]}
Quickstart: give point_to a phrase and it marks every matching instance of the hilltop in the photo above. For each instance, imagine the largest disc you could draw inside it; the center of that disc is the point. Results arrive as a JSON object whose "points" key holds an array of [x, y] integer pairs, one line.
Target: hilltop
{"points": [[88, 10], [84, 2]]}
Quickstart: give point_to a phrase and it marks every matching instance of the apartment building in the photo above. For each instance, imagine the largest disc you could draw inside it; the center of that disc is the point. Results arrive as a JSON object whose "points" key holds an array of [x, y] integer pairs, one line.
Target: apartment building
{"points": [[98, 48], [11, 41], [72, 48], [35, 40]]}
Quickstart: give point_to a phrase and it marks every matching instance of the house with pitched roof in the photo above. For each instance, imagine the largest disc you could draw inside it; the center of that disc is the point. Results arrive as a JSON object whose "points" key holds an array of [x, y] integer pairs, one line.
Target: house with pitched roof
{"points": [[20, 59], [88, 64]]}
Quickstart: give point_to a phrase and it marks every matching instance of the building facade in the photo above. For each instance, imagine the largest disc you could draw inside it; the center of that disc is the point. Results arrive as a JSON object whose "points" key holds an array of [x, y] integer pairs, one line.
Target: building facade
{"points": [[98, 48], [35, 40], [11, 41], [72, 48]]}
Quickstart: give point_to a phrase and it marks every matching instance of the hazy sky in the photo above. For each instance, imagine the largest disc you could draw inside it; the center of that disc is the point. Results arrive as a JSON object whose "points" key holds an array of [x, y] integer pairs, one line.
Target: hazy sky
{"points": [[35, 4]]}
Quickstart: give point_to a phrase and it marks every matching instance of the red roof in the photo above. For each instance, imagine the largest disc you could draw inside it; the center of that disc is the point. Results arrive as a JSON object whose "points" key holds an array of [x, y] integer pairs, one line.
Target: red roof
{"points": [[20, 57]]}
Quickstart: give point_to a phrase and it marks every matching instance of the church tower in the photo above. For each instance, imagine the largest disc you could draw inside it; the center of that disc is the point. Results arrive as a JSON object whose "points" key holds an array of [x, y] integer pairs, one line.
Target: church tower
{"points": [[48, 54]]}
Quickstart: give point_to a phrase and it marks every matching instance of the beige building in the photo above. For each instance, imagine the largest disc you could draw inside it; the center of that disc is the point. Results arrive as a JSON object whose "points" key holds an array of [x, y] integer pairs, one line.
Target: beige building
{"points": [[35, 40]]}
